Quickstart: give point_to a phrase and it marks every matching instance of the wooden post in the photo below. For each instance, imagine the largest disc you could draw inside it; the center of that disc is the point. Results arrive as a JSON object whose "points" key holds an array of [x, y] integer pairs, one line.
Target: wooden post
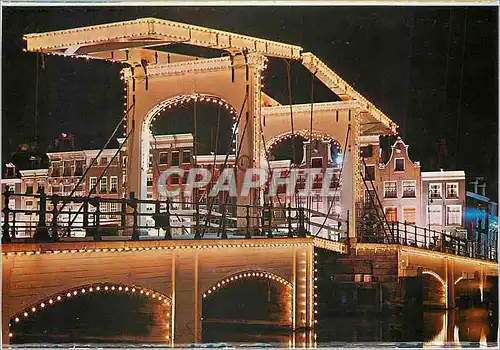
{"points": [[85, 222], [397, 232], [247, 229], [442, 241], [123, 214], [55, 213], [197, 234], [168, 230], [97, 216], [135, 228], [406, 234], [289, 221], [6, 213], [425, 237], [223, 222]]}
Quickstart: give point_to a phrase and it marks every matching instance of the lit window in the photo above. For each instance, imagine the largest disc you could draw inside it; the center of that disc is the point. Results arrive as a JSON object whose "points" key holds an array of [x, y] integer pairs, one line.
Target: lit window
{"points": [[174, 179], [186, 156], [103, 208], [317, 163], [92, 184], [452, 190], [370, 198], [113, 183], [370, 172], [29, 189], [390, 190], [103, 186], [149, 180], [399, 164], [67, 189], [391, 214], [28, 205], [435, 215], [163, 158], [435, 191], [453, 215], [409, 189], [113, 210], [175, 158], [409, 215]]}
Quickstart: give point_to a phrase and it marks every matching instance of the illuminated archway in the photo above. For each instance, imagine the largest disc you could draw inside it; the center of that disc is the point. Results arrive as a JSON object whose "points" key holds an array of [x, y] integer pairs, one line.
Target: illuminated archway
{"points": [[57, 299], [433, 297], [246, 303], [303, 133]]}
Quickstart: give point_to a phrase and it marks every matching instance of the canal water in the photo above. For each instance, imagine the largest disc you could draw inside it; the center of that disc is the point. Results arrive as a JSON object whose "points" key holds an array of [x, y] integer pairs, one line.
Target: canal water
{"points": [[456, 328]]}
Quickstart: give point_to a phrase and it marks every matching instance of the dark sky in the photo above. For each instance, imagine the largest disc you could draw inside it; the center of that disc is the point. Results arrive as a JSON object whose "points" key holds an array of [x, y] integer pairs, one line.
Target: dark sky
{"points": [[411, 62]]}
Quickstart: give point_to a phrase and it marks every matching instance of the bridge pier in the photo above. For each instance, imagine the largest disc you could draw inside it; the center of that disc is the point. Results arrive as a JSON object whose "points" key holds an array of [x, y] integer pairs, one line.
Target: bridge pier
{"points": [[450, 284]]}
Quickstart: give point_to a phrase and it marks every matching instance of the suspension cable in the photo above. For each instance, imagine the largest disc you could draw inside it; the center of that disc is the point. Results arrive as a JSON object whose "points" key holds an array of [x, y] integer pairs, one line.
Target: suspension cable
{"points": [[100, 176], [94, 160], [211, 202]]}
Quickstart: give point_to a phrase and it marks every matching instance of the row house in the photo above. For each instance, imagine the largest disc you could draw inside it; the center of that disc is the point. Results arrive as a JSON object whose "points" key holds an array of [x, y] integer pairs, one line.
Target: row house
{"points": [[434, 200], [481, 216], [443, 196]]}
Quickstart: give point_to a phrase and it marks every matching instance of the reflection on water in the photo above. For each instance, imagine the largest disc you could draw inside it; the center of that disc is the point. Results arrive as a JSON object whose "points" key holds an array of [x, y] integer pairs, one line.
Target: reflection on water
{"points": [[456, 328]]}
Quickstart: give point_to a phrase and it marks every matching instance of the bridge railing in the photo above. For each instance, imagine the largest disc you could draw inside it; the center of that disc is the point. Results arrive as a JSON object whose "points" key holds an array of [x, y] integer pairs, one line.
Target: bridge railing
{"points": [[424, 237], [55, 218]]}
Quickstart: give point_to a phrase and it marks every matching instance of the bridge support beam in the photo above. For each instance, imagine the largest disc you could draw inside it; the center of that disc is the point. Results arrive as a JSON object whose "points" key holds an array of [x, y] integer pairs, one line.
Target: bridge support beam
{"points": [[450, 284]]}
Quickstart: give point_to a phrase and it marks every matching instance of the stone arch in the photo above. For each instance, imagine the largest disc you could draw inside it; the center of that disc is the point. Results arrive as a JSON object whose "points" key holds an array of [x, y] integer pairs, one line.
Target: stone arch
{"points": [[433, 299], [246, 275], [94, 288], [316, 135]]}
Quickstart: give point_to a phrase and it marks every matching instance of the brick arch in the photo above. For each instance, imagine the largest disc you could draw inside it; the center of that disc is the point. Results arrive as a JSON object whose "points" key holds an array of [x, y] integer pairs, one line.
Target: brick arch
{"points": [[246, 275], [316, 135], [93, 288], [436, 277]]}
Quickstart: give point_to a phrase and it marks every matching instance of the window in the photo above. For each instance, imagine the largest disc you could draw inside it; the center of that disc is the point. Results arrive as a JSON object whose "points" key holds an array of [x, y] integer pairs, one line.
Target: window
{"points": [[113, 209], [453, 215], [103, 208], [92, 184], [163, 158], [67, 168], [435, 191], [391, 213], [68, 189], [28, 205], [78, 167], [186, 156], [366, 151], [452, 190], [370, 172], [103, 186], [399, 164], [149, 181], [103, 161], [409, 215], [390, 190], [56, 169], [40, 186], [317, 163], [29, 189], [409, 188], [370, 200], [174, 179], [113, 183], [175, 157], [435, 216]]}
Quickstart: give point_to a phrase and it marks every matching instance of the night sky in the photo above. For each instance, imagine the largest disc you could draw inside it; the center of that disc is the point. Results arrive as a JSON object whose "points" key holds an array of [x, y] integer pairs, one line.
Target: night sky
{"points": [[411, 62]]}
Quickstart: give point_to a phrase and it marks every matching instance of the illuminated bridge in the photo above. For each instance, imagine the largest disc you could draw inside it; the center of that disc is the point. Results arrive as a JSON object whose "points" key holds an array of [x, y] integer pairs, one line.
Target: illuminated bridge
{"points": [[195, 257]]}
